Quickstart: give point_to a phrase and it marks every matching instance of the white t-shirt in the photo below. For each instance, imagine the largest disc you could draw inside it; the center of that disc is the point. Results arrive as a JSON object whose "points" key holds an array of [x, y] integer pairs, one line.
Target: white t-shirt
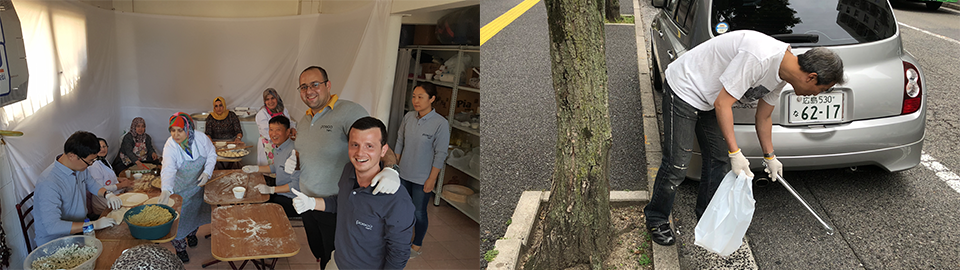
{"points": [[744, 62]]}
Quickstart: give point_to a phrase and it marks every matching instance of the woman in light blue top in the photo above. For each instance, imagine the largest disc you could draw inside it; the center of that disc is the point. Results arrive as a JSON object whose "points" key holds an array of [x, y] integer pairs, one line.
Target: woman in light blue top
{"points": [[422, 146]]}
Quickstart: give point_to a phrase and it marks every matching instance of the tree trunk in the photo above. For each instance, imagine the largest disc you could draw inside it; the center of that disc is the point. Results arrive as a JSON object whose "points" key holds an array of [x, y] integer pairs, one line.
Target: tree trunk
{"points": [[577, 225], [612, 11]]}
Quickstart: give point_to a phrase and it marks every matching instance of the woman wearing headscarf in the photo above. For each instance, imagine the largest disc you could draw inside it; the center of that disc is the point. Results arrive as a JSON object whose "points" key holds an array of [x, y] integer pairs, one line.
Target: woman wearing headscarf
{"points": [[136, 148], [101, 172], [188, 162], [222, 124], [272, 106]]}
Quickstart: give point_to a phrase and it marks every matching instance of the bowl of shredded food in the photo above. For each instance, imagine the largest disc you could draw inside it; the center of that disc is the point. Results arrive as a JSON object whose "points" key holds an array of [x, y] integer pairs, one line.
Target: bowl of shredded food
{"points": [[70, 252], [150, 221]]}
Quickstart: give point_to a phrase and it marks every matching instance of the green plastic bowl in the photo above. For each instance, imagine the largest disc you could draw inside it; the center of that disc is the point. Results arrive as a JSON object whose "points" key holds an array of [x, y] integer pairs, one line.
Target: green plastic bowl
{"points": [[153, 232]]}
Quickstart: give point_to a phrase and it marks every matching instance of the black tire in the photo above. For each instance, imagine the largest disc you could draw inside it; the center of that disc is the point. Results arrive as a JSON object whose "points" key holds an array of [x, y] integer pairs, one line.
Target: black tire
{"points": [[655, 76], [933, 5]]}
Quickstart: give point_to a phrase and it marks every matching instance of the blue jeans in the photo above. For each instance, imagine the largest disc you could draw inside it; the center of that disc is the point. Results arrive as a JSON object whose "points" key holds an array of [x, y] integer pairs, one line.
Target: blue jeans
{"points": [[420, 201], [681, 122]]}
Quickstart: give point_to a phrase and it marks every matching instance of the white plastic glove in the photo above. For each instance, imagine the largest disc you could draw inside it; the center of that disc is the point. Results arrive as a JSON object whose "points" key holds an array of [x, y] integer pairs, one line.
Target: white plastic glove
{"points": [[773, 165], [164, 197], [202, 181], [739, 163], [103, 222], [113, 201], [111, 187], [302, 202], [291, 165], [389, 181], [250, 168], [265, 189]]}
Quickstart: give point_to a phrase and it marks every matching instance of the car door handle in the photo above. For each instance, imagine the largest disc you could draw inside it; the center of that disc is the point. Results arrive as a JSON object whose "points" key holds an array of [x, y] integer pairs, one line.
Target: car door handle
{"points": [[671, 54]]}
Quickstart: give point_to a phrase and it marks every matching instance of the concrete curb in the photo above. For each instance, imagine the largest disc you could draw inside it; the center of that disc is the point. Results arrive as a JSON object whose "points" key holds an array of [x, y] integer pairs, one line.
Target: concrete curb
{"points": [[514, 241], [664, 257]]}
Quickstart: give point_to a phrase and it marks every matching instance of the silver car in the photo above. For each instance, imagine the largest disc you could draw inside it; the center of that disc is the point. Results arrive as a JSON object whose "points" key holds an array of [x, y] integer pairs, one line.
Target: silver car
{"points": [[876, 118]]}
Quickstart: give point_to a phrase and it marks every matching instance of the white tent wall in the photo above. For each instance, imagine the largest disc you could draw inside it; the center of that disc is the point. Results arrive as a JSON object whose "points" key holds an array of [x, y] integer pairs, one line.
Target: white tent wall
{"points": [[93, 69]]}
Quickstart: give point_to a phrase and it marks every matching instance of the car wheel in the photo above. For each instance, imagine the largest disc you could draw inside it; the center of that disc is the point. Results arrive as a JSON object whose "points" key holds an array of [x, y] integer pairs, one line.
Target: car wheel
{"points": [[657, 80], [933, 5]]}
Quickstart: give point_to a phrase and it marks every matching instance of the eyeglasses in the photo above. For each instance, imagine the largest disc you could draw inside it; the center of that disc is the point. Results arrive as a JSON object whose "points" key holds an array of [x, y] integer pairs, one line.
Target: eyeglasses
{"points": [[90, 163], [312, 86]]}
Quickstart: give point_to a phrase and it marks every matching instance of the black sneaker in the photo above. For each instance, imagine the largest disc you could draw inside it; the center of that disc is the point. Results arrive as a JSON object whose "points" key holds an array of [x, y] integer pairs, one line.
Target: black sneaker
{"points": [[191, 240], [662, 235], [184, 257]]}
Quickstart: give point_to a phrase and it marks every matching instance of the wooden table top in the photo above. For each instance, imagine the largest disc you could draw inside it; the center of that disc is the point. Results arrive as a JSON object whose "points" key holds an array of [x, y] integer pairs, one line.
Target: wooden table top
{"points": [[220, 191], [121, 231], [251, 231]]}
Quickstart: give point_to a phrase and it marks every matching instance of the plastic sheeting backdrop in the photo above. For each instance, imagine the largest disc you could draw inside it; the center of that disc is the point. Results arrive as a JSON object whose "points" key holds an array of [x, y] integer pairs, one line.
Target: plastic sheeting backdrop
{"points": [[96, 70]]}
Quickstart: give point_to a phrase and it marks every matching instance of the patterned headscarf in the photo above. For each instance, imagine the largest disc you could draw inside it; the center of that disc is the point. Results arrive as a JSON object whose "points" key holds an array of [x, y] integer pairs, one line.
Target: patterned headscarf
{"points": [[279, 109], [225, 111], [142, 137], [183, 120]]}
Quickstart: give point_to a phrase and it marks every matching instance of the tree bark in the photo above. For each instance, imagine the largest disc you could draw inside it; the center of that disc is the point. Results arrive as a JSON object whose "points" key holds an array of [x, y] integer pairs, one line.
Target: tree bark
{"points": [[612, 11], [577, 225]]}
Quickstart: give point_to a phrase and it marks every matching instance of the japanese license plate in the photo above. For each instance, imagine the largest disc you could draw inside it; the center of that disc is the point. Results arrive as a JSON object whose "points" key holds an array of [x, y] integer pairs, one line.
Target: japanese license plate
{"points": [[822, 108]]}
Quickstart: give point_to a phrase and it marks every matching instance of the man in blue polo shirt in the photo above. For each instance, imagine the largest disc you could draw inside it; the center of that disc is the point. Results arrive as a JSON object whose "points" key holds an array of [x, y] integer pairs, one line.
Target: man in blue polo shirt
{"points": [[373, 232], [288, 173]]}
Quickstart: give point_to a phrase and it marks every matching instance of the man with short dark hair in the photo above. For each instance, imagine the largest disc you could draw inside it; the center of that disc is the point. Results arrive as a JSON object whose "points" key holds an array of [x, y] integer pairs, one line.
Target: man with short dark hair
{"points": [[60, 199], [288, 177], [322, 148], [373, 231], [701, 88]]}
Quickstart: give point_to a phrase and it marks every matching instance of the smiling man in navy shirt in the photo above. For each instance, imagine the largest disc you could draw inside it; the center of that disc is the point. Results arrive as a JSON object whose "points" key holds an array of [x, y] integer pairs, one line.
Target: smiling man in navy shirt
{"points": [[373, 231]]}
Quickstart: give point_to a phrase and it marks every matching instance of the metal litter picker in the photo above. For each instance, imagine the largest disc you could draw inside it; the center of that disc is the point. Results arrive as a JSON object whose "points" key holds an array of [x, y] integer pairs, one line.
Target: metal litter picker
{"points": [[823, 222]]}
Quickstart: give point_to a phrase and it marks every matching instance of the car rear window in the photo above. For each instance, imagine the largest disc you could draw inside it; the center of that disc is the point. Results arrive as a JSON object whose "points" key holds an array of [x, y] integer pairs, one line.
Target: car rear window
{"points": [[808, 23]]}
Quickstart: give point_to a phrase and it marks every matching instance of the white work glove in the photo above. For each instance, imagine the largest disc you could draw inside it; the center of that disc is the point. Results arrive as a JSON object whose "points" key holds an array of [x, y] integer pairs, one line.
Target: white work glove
{"points": [[302, 202], [203, 179], [103, 222], [164, 197], [250, 168], [773, 166], [111, 187], [389, 180], [739, 163], [265, 189], [113, 201], [291, 165]]}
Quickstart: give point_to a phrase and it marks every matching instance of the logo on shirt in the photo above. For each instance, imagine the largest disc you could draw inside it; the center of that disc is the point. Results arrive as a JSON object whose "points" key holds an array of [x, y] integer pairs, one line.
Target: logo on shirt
{"points": [[327, 127], [429, 136], [754, 93], [364, 225]]}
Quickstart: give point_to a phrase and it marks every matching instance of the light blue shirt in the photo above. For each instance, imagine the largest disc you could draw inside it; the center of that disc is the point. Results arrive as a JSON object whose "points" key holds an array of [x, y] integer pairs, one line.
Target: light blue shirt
{"points": [[60, 200], [422, 143], [280, 155]]}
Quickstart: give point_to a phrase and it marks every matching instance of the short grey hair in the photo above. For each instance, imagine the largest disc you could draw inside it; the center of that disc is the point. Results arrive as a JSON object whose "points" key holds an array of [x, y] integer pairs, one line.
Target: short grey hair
{"points": [[826, 63]]}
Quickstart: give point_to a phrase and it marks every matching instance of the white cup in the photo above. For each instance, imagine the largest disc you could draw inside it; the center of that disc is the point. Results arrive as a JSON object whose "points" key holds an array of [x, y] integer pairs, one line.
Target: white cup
{"points": [[429, 76], [128, 174], [238, 192]]}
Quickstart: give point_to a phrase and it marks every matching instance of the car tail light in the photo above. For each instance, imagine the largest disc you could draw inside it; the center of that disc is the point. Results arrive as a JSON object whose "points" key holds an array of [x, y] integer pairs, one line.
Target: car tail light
{"points": [[912, 89]]}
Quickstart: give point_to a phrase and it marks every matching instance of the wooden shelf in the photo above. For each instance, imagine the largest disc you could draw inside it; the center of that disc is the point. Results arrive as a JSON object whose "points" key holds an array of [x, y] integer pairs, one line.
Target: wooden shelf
{"points": [[471, 211]]}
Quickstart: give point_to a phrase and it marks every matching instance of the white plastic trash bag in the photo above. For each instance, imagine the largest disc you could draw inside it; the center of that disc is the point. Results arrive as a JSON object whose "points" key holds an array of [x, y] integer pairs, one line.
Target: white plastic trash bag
{"points": [[725, 221]]}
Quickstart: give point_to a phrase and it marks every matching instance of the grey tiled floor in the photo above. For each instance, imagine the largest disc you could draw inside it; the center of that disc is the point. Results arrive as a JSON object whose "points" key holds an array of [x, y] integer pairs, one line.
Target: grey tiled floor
{"points": [[452, 242]]}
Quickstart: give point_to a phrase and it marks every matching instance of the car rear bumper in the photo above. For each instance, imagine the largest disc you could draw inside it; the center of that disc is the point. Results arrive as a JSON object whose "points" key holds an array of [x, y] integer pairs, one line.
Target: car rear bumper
{"points": [[892, 143]]}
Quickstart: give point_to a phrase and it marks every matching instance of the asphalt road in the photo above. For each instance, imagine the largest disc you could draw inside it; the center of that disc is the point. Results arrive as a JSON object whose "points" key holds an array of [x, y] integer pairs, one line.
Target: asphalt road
{"points": [[519, 113], [900, 220]]}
